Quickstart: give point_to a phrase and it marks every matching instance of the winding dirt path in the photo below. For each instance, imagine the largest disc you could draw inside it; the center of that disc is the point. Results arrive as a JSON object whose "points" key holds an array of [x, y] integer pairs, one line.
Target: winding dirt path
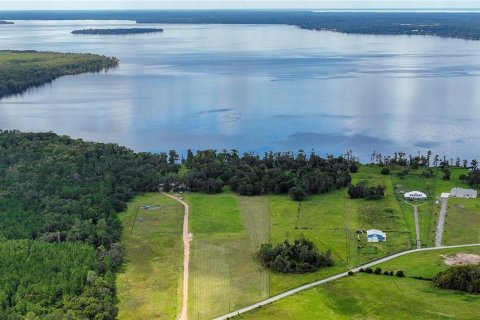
{"points": [[186, 256]]}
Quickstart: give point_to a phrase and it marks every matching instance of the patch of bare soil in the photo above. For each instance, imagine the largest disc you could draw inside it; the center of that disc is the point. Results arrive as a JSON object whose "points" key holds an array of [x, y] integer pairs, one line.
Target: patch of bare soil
{"points": [[461, 259]]}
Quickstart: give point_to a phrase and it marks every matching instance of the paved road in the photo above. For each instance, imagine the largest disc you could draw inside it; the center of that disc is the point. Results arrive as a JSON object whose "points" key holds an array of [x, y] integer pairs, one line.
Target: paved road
{"points": [[338, 276], [417, 226], [186, 256], [417, 223], [441, 222]]}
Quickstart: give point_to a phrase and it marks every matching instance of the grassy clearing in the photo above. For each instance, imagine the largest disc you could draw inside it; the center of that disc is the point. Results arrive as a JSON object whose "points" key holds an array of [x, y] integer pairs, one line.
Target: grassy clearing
{"points": [[366, 296], [425, 264], [223, 273], [149, 285], [322, 220], [462, 223], [384, 214]]}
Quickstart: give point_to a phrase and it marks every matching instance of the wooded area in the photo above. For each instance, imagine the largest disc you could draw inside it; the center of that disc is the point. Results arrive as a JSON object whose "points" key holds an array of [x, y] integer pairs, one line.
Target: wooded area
{"points": [[21, 70], [59, 233]]}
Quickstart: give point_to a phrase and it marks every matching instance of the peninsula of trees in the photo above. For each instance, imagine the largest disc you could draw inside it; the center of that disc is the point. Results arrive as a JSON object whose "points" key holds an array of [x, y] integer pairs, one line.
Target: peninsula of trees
{"points": [[117, 31], [5, 22], [21, 70]]}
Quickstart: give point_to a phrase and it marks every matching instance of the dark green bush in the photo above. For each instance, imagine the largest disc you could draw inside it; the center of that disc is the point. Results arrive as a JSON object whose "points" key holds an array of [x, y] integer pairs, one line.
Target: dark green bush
{"points": [[301, 257]]}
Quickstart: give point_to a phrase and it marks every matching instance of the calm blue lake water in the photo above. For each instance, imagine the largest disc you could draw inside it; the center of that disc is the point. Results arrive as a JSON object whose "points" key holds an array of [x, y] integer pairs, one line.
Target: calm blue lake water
{"points": [[256, 88]]}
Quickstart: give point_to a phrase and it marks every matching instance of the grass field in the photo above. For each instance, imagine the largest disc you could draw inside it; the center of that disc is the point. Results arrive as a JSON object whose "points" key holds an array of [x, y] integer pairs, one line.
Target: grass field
{"points": [[462, 223], [150, 283], [223, 273], [365, 296], [228, 230]]}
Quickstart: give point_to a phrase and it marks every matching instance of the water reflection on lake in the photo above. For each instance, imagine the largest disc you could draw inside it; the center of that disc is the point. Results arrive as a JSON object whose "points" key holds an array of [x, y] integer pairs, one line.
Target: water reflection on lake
{"points": [[256, 88]]}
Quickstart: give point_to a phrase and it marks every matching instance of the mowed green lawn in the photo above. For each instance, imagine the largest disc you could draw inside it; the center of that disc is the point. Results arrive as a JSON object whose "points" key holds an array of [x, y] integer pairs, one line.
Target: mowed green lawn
{"points": [[368, 296], [149, 286]]}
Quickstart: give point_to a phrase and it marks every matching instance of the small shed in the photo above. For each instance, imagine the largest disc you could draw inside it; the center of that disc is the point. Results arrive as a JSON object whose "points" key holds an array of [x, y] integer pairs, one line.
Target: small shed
{"points": [[463, 193], [375, 235], [415, 195]]}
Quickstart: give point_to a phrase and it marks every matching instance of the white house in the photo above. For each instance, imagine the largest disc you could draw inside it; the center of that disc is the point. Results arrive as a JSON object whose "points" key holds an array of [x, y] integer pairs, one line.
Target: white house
{"points": [[375, 235], [463, 193], [415, 195]]}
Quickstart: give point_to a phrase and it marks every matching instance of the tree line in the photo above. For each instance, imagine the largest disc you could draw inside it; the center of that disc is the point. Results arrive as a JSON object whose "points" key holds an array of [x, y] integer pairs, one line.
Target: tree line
{"points": [[251, 174]]}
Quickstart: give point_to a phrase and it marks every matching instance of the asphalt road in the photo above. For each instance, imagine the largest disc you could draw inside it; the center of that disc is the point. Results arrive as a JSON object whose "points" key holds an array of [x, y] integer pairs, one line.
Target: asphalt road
{"points": [[441, 222]]}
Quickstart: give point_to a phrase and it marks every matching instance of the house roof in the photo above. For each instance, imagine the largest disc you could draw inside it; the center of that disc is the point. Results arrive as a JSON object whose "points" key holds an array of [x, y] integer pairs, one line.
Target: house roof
{"points": [[415, 193], [374, 231]]}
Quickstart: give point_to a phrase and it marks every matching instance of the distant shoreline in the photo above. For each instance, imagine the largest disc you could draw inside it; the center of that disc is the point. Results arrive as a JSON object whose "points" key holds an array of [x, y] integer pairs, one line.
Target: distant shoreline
{"points": [[454, 24], [117, 31]]}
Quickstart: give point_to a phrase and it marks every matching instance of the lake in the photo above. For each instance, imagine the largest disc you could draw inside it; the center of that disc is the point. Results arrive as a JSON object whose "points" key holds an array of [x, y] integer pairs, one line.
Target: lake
{"points": [[256, 88]]}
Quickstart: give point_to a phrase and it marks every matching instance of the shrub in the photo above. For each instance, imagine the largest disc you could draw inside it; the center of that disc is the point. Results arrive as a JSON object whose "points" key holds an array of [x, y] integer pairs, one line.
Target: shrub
{"points": [[465, 278], [350, 273], [391, 273], [400, 274], [386, 273], [385, 171], [370, 193], [369, 270], [297, 193], [361, 270], [353, 167], [378, 271], [301, 257]]}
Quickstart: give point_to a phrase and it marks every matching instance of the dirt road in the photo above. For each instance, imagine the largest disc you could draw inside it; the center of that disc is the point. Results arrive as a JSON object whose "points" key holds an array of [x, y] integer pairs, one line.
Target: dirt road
{"points": [[186, 256]]}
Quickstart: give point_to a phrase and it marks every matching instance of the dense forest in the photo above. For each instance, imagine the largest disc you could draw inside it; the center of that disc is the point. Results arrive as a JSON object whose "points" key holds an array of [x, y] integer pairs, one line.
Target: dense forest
{"points": [[59, 236], [20, 70], [118, 31], [455, 25], [250, 174], [465, 278]]}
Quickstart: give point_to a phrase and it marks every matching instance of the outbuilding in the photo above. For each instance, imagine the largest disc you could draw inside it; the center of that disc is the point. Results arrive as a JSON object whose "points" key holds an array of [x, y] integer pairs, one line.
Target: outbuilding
{"points": [[375, 235], [463, 193], [415, 195]]}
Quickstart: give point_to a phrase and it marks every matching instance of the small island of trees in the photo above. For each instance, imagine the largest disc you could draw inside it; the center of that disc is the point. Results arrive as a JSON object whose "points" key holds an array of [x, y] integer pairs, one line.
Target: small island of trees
{"points": [[301, 257], [117, 31], [5, 22]]}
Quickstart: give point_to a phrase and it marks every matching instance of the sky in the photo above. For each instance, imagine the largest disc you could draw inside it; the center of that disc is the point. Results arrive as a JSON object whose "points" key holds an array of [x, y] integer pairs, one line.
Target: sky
{"points": [[235, 4]]}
